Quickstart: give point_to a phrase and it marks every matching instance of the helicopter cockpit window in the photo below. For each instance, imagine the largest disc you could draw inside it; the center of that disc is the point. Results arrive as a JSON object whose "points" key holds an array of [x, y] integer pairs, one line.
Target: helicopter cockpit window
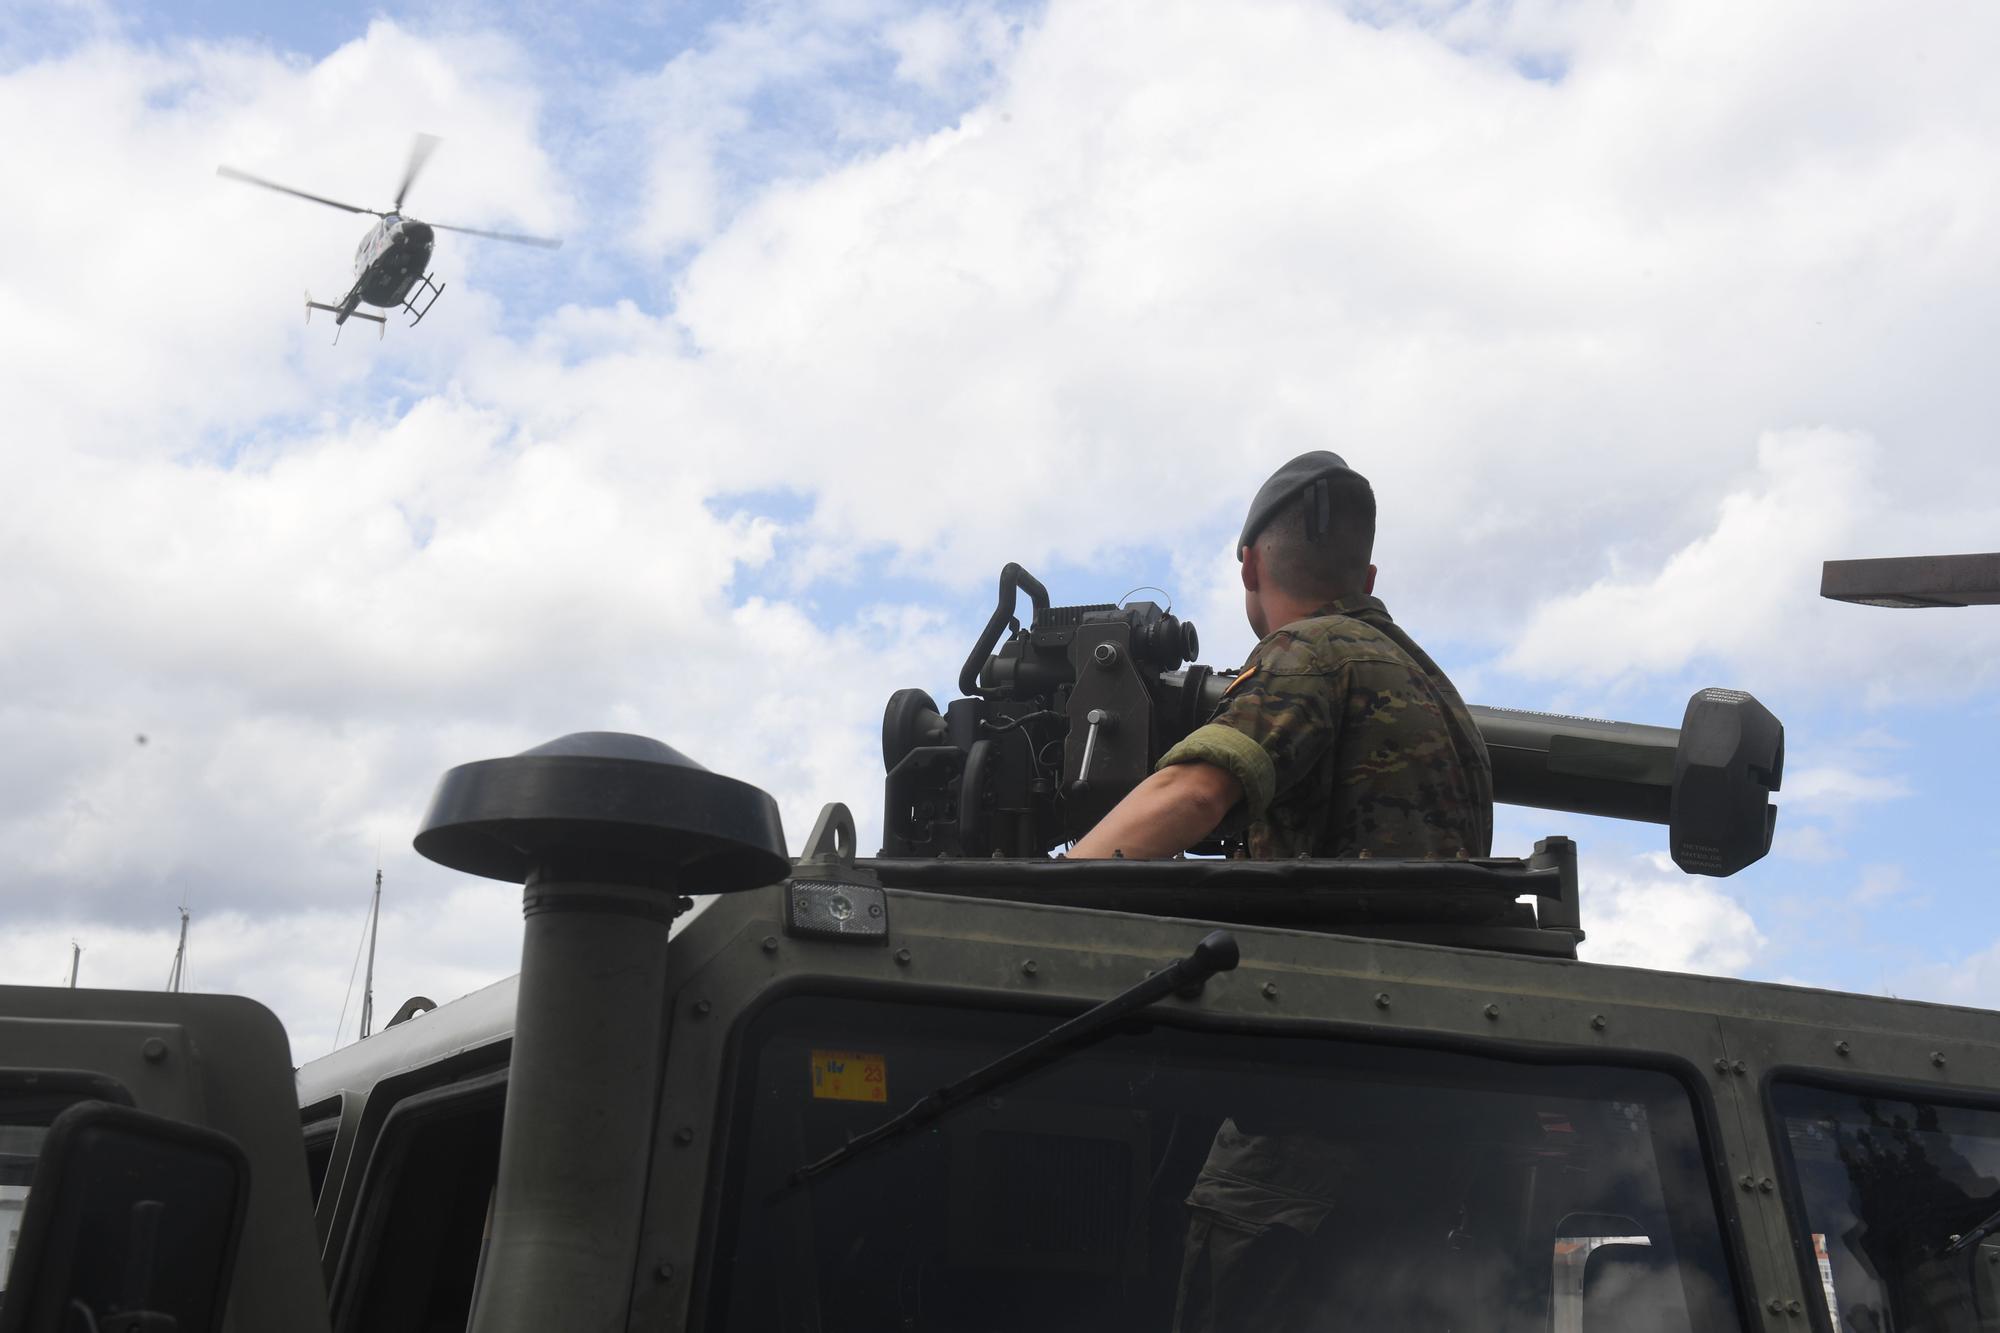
{"points": [[1168, 1177], [1902, 1208]]}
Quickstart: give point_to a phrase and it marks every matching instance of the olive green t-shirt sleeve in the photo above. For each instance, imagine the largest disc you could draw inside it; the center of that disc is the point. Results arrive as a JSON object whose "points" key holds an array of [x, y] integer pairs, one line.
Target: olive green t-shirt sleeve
{"points": [[1273, 726], [1234, 753]]}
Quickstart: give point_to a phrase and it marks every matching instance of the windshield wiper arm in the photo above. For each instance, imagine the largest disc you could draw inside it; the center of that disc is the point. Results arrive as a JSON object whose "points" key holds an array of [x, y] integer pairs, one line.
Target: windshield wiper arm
{"points": [[1974, 1236], [1217, 952]]}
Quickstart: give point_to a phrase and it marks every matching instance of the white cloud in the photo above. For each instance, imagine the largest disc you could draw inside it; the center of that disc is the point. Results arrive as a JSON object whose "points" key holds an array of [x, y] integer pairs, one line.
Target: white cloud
{"points": [[1880, 884], [1652, 916], [141, 308], [1720, 594], [1804, 842], [705, 147], [301, 964], [1971, 980], [1170, 245], [937, 49], [1125, 276], [1744, 595], [1816, 789]]}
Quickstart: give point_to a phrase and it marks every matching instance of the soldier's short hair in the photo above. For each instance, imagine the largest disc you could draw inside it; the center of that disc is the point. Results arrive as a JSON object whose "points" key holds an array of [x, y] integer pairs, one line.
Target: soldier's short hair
{"points": [[1337, 564]]}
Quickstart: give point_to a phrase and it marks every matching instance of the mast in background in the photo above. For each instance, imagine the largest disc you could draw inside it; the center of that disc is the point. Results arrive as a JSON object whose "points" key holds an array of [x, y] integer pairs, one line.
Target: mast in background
{"points": [[75, 962], [177, 978], [368, 981]]}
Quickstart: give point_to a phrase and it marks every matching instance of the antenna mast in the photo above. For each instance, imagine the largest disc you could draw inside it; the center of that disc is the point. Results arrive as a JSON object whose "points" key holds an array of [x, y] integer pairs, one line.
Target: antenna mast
{"points": [[368, 980], [75, 962], [177, 978]]}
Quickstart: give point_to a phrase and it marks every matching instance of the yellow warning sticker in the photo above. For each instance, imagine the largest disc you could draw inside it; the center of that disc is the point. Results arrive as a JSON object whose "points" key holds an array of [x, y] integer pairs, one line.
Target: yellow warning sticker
{"points": [[850, 1076]]}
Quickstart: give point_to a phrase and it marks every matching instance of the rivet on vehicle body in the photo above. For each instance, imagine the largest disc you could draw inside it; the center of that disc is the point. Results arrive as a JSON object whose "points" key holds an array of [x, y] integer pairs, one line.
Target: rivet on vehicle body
{"points": [[1381, 999], [1843, 1048], [1767, 1184], [664, 1271], [1270, 990], [770, 944], [154, 1050], [1937, 1058], [684, 1136], [1721, 1065], [1740, 1067], [1028, 968], [1493, 1012], [1747, 1182], [1775, 1306], [903, 957], [1794, 1307], [1598, 1022], [702, 1008]]}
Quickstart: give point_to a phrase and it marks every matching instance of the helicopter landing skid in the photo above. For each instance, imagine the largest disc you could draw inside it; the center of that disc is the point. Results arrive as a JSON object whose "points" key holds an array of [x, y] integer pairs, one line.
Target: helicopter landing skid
{"points": [[429, 291]]}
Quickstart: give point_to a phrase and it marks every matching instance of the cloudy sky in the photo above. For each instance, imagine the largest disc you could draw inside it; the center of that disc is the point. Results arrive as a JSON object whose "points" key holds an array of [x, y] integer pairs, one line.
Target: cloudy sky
{"points": [[1633, 314]]}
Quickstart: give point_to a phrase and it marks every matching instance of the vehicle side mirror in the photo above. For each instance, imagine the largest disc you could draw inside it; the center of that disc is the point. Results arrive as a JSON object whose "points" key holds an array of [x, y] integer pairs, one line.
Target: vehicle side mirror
{"points": [[131, 1226]]}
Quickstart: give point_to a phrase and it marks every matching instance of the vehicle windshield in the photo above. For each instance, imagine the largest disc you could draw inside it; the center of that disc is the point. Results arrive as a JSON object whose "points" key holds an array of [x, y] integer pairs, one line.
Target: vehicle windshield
{"points": [[1896, 1189], [1173, 1177]]}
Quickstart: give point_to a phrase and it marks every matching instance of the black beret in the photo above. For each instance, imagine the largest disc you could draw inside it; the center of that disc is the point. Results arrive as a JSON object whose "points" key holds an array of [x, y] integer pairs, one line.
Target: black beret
{"points": [[1291, 482]]}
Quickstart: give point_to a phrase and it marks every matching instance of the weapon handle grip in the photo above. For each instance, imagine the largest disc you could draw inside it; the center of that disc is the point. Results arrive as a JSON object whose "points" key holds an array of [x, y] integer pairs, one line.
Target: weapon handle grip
{"points": [[1012, 579]]}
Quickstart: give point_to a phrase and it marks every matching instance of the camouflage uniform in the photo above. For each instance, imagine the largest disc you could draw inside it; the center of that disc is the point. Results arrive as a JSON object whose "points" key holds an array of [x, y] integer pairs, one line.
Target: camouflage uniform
{"points": [[1347, 739]]}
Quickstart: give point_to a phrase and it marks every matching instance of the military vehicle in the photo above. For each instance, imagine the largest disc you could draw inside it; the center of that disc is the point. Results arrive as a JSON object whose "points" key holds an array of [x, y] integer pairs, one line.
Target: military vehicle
{"points": [[972, 1090]]}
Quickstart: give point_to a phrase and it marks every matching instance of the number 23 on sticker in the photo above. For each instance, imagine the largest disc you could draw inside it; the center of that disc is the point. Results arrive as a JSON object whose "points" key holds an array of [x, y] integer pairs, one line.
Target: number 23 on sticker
{"points": [[850, 1076]]}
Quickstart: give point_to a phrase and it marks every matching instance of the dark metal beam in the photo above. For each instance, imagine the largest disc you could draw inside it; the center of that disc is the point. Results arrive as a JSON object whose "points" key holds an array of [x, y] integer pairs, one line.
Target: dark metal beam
{"points": [[1914, 581]]}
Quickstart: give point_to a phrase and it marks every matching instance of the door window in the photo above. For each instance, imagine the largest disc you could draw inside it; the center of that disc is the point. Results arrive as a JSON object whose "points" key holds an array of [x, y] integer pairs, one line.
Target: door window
{"points": [[425, 1213], [1902, 1207]]}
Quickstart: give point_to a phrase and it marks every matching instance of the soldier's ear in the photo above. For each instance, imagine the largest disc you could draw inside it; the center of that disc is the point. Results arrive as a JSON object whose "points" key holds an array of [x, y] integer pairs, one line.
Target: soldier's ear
{"points": [[1253, 568], [1368, 584]]}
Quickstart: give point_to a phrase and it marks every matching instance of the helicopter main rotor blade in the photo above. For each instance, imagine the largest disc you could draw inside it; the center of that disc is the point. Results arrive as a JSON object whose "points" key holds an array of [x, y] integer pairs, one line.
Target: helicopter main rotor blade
{"points": [[232, 173], [420, 153], [545, 242]]}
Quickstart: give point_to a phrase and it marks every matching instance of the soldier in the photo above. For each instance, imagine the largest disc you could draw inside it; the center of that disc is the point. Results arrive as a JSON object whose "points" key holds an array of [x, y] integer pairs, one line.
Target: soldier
{"points": [[1340, 737]]}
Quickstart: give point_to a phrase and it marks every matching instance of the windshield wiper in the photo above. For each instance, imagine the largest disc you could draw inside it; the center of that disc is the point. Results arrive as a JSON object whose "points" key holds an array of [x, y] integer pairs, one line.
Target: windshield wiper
{"points": [[1974, 1236], [1217, 952]]}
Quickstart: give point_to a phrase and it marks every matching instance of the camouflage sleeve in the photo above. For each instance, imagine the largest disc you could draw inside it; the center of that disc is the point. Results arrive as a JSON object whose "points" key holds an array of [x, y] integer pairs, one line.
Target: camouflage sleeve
{"points": [[1273, 725]]}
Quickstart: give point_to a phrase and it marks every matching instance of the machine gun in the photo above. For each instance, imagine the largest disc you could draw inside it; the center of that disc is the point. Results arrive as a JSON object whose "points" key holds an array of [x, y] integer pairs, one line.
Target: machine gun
{"points": [[1072, 711]]}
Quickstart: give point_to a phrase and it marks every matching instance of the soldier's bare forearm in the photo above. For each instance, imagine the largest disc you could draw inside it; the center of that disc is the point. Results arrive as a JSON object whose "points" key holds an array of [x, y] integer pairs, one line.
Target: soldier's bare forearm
{"points": [[1164, 815]]}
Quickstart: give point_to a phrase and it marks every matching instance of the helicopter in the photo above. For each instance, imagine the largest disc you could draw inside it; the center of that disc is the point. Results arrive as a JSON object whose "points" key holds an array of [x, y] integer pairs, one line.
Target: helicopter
{"points": [[391, 262]]}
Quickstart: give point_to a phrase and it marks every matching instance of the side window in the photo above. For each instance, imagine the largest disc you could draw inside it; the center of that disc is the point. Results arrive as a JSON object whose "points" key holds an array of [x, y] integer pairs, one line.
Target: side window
{"points": [[29, 1102], [319, 1138], [1902, 1207], [424, 1214]]}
